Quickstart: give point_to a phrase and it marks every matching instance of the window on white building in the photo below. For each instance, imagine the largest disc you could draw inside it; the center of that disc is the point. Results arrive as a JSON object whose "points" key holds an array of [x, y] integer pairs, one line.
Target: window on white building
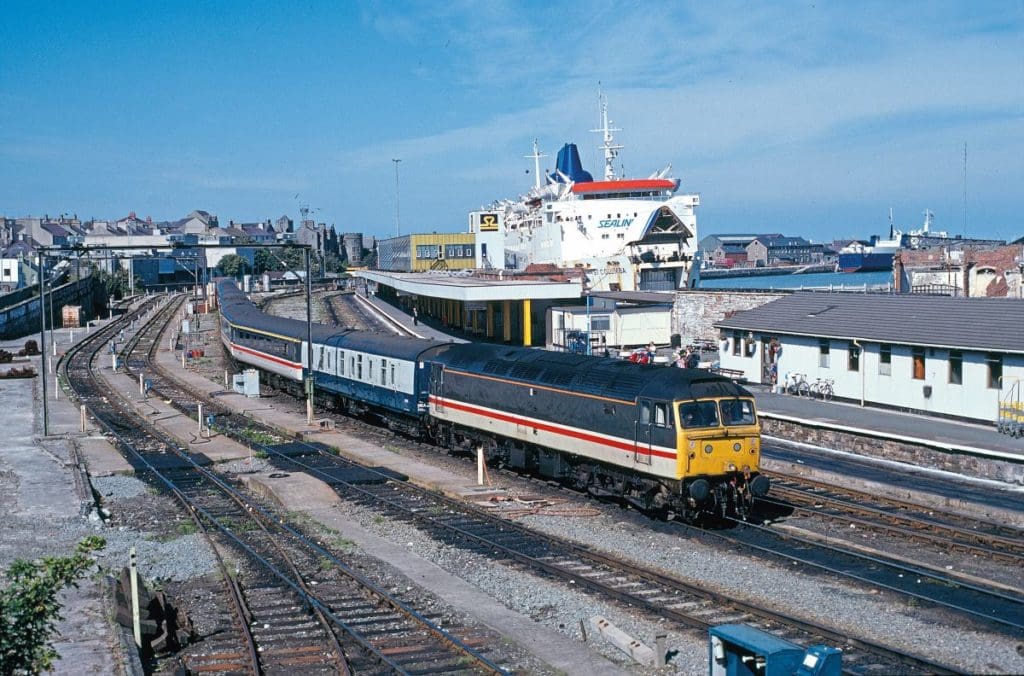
{"points": [[823, 352], [917, 354], [853, 357], [600, 323], [956, 367], [995, 370], [884, 360]]}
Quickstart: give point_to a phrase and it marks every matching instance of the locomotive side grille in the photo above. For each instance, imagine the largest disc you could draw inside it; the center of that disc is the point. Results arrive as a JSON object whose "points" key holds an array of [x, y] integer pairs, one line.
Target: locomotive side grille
{"points": [[525, 372], [556, 377], [498, 367]]}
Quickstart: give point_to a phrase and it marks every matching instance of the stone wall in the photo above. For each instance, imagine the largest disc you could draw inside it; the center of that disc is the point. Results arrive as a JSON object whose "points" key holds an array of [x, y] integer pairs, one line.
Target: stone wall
{"points": [[694, 313], [23, 318], [948, 459]]}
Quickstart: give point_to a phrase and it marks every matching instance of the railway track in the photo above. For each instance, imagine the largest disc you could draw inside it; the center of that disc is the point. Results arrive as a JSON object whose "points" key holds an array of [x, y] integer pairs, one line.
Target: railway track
{"points": [[991, 604], [303, 607], [462, 525], [943, 530]]}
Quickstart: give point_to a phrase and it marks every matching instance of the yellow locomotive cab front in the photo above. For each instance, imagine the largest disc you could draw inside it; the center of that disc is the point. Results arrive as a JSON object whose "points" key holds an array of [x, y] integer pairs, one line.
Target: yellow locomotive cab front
{"points": [[719, 444]]}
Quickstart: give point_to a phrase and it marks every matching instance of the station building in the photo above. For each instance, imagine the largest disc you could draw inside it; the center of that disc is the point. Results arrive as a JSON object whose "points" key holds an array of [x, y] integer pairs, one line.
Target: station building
{"points": [[956, 357]]}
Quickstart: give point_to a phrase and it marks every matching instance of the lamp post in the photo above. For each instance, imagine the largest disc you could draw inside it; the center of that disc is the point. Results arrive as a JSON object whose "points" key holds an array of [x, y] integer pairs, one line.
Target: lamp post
{"points": [[398, 229], [309, 338], [42, 339]]}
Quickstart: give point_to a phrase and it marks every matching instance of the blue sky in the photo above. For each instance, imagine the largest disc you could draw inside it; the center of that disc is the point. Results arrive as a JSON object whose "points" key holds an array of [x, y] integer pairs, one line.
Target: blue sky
{"points": [[807, 119]]}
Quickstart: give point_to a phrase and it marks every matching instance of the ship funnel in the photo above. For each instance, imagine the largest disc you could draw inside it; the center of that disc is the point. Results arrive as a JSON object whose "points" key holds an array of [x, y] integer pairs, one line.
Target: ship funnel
{"points": [[569, 166]]}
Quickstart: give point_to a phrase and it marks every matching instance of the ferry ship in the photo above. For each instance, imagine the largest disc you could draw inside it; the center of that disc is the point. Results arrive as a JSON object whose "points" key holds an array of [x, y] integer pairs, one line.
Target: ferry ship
{"points": [[631, 233]]}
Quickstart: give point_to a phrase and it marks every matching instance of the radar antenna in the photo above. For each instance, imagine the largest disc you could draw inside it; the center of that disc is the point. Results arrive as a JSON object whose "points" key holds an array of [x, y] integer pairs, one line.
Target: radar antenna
{"points": [[611, 150]]}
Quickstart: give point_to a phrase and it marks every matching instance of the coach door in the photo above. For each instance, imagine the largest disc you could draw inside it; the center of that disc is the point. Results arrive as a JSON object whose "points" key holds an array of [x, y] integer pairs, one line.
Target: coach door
{"points": [[643, 432], [437, 386]]}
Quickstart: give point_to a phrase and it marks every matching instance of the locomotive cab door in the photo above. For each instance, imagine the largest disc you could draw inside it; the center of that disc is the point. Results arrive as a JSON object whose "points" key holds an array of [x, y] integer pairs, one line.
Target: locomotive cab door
{"points": [[643, 430], [437, 385]]}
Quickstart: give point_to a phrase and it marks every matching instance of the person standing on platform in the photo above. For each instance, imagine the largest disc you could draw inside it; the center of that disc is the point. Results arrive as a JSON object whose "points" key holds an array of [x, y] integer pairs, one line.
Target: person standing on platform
{"points": [[415, 316]]}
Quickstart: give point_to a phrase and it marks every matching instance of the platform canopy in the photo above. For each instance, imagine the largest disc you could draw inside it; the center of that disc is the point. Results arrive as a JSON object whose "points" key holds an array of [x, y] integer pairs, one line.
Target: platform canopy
{"points": [[469, 289]]}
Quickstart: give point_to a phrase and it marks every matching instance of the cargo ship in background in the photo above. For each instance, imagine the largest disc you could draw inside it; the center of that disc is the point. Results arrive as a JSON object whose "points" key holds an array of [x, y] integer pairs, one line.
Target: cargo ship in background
{"points": [[629, 233], [878, 253], [867, 256]]}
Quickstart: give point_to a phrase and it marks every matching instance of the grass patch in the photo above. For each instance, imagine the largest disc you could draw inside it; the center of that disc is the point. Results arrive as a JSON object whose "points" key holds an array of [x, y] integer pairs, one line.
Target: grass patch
{"points": [[187, 527], [260, 437]]}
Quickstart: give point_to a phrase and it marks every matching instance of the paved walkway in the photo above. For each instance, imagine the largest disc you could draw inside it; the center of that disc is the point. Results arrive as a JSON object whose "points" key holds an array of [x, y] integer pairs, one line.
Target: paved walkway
{"points": [[43, 512]]}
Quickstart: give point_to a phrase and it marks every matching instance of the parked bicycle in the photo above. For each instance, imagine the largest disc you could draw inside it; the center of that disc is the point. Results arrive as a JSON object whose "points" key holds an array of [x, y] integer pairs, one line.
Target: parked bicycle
{"points": [[822, 388], [797, 384]]}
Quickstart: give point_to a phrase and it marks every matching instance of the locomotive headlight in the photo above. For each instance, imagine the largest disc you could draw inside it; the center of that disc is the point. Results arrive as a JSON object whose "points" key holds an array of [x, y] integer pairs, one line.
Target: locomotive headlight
{"points": [[737, 446], [708, 449]]}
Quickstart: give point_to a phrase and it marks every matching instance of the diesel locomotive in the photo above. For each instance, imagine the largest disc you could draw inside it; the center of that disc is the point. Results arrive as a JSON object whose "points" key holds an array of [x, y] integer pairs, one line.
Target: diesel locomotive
{"points": [[684, 442]]}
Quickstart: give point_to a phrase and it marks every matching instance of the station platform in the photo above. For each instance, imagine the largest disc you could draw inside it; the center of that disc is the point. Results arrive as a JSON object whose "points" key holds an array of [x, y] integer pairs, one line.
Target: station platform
{"points": [[935, 432]]}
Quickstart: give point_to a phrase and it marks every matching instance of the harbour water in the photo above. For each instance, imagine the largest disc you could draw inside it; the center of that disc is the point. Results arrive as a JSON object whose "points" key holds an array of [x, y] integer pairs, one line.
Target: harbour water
{"points": [[874, 280]]}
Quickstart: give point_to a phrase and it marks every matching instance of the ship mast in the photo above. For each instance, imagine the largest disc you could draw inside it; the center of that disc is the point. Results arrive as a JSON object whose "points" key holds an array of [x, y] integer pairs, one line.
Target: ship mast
{"points": [[537, 154], [611, 150]]}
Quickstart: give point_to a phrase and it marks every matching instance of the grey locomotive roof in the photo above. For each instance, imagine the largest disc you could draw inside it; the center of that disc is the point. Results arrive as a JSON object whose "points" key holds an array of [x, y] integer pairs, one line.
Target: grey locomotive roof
{"points": [[991, 324], [612, 378]]}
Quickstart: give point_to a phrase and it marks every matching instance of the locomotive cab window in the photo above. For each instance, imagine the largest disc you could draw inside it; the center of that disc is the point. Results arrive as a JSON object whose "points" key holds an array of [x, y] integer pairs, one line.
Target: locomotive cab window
{"points": [[645, 412], [662, 415], [698, 414], [737, 412]]}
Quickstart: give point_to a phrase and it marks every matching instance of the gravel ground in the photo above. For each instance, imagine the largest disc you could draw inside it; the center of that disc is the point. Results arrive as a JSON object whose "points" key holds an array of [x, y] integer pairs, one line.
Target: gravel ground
{"points": [[549, 603], [869, 612]]}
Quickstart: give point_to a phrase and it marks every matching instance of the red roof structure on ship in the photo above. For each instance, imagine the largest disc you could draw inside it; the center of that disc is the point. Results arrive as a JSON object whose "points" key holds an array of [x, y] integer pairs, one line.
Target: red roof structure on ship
{"points": [[626, 185]]}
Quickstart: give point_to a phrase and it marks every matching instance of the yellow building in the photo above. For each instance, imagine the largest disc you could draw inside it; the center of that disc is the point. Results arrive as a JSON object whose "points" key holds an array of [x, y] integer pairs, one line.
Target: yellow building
{"points": [[423, 252]]}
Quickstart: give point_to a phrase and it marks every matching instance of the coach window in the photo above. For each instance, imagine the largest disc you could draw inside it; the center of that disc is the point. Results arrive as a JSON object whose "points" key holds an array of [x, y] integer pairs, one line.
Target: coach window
{"points": [[884, 360], [956, 367], [341, 362], [917, 354], [359, 367], [392, 374], [383, 371], [995, 370], [823, 352]]}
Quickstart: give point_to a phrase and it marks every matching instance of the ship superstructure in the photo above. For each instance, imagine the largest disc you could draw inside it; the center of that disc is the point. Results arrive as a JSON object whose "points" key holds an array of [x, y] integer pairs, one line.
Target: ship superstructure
{"points": [[629, 233]]}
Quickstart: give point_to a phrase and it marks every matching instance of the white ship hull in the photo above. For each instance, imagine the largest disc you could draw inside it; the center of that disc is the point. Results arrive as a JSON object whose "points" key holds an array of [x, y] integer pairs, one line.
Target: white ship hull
{"points": [[634, 233]]}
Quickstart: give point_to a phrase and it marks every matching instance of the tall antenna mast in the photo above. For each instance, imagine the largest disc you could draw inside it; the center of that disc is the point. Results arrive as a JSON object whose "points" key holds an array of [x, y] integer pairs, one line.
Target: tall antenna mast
{"points": [[965, 188], [611, 150], [537, 154]]}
